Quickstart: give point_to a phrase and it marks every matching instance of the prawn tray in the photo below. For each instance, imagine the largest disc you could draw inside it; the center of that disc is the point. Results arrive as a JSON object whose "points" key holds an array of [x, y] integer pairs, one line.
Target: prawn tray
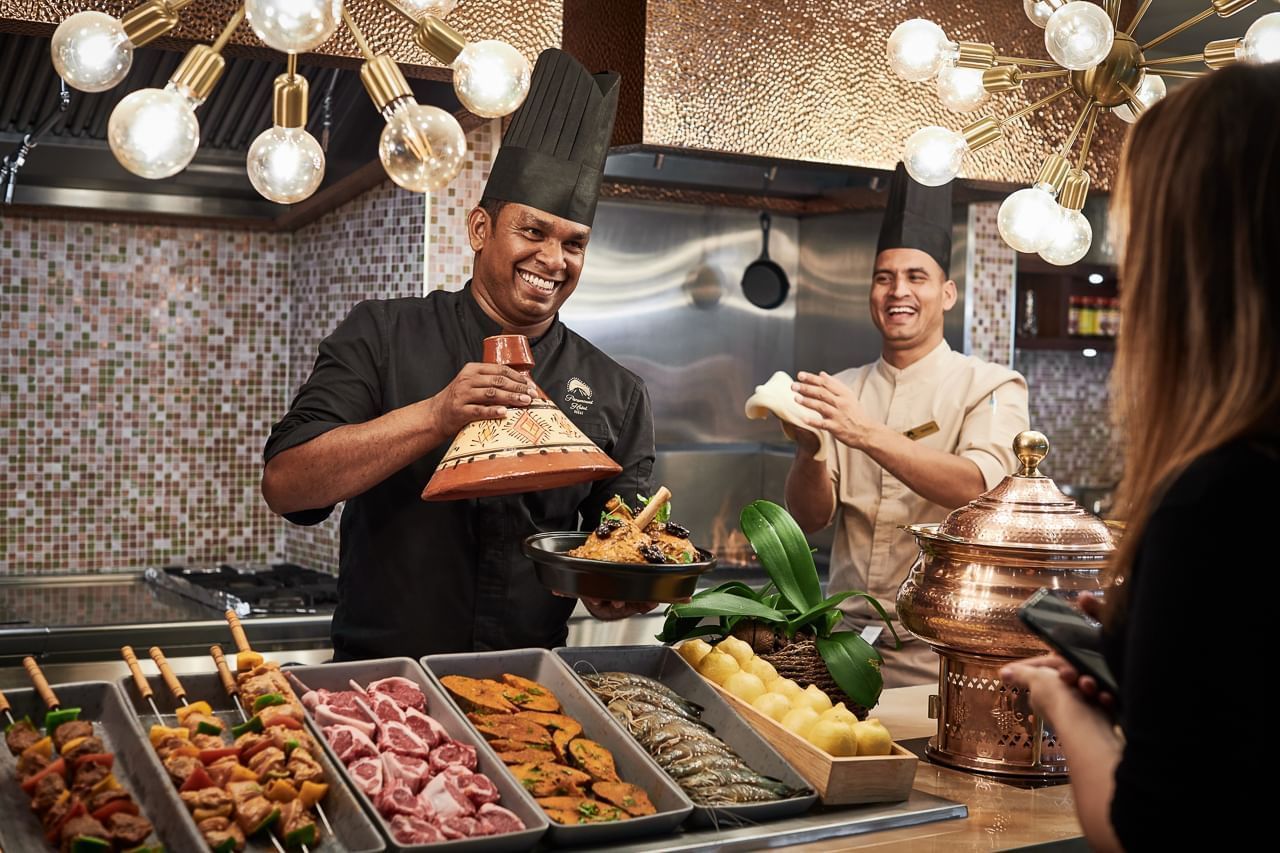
{"points": [[352, 829], [135, 767], [662, 664], [633, 764]]}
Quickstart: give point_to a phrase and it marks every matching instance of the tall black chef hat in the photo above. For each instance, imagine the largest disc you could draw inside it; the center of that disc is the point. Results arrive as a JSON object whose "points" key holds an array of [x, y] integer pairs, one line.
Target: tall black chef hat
{"points": [[552, 156], [918, 217]]}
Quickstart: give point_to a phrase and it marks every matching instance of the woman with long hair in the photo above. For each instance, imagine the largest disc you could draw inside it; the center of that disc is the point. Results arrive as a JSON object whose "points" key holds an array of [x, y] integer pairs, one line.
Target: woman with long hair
{"points": [[1196, 402]]}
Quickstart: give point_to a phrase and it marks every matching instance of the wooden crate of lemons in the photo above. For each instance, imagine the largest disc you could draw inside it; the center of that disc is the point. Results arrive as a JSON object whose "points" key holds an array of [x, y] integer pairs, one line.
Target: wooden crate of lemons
{"points": [[846, 760]]}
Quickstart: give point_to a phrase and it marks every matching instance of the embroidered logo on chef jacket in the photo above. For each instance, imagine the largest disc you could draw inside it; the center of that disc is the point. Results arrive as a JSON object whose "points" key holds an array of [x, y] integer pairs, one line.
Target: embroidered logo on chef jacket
{"points": [[578, 395]]}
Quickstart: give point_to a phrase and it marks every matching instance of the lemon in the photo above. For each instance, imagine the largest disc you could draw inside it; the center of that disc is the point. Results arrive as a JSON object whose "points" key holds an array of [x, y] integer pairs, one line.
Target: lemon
{"points": [[740, 651], [745, 686], [787, 688], [718, 666], [816, 698], [840, 712], [694, 651], [799, 720], [834, 737], [762, 668], [773, 705], [873, 738]]}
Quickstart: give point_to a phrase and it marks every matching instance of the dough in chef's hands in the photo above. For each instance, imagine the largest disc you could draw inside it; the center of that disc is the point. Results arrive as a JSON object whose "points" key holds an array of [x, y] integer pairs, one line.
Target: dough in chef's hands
{"points": [[776, 397]]}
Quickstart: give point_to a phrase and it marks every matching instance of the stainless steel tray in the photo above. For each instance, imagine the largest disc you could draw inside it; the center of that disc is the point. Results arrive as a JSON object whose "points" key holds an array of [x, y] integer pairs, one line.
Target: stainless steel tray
{"points": [[353, 830], [135, 766], [335, 676], [661, 663], [585, 578], [633, 763]]}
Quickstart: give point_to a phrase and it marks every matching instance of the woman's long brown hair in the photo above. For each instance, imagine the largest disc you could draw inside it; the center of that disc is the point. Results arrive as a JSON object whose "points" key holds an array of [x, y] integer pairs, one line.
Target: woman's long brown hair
{"points": [[1198, 213]]}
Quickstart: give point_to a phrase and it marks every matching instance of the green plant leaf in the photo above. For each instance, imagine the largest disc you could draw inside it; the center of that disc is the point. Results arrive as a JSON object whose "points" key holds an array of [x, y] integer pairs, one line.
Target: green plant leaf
{"points": [[733, 587], [718, 604], [816, 612], [875, 602], [674, 628], [783, 551], [854, 664], [832, 619], [696, 631]]}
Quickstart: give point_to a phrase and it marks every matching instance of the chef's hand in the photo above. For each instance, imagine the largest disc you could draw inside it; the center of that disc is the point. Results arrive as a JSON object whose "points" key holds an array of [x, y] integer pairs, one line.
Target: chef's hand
{"points": [[611, 610], [835, 409], [479, 392], [805, 440]]}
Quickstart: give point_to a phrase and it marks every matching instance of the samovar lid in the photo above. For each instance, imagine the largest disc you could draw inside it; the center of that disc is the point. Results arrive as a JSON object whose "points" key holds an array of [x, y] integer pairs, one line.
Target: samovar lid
{"points": [[1027, 509]]}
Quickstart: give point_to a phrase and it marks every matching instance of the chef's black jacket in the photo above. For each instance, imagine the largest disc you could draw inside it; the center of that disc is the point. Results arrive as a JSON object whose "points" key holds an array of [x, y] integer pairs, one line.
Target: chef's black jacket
{"points": [[420, 577]]}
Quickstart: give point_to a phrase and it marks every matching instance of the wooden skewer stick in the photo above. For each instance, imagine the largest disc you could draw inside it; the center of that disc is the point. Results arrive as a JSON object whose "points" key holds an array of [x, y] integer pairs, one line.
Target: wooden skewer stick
{"points": [[4, 706], [651, 508], [42, 685], [140, 680], [237, 632], [228, 680]]}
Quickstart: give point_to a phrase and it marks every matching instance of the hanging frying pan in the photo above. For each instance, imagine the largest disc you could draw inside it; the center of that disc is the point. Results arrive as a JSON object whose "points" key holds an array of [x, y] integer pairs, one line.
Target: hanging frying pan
{"points": [[763, 282]]}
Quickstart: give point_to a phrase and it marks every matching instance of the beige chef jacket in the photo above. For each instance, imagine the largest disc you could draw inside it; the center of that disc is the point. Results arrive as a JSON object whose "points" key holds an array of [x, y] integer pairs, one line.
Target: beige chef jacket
{"points": [[978, 408]]}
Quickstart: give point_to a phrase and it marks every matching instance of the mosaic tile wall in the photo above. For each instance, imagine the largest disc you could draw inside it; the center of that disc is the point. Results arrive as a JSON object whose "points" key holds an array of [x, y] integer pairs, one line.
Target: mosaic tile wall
{"points": [[141, 365], [374, 247], [1069, 404], [990, 270]]}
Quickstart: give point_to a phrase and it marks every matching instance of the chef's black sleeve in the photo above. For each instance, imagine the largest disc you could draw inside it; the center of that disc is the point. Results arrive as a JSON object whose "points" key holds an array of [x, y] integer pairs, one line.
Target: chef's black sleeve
{"points": [[633, 450], [345, 387]]}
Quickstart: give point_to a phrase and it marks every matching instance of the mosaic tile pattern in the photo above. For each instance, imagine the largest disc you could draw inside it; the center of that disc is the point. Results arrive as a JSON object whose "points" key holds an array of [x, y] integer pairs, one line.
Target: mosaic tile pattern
{"points": [[374, 247], [990, 281], [1070, 404], [142, 365]]}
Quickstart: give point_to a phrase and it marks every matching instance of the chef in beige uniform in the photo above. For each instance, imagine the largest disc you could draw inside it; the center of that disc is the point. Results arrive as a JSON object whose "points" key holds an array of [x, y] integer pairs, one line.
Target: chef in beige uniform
{"points": [[919, 432]]}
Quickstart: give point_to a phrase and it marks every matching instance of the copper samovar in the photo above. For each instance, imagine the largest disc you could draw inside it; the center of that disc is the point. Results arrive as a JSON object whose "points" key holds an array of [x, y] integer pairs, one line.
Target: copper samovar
{"points": [[962, 596]]}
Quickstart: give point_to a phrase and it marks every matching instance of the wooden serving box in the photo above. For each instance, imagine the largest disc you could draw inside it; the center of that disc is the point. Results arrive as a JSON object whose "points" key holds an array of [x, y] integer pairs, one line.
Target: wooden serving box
{"points": [[839, 781]]}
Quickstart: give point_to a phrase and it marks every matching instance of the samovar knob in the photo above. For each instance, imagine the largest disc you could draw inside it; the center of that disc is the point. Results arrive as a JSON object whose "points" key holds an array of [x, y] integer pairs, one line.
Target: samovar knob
{"points": [[1031, 448]]}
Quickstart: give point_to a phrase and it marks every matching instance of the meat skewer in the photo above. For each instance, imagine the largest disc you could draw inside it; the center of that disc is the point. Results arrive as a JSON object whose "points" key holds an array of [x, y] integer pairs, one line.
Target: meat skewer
{"points": [[240, 797], [140, 680], [4, 706], [68, 774], [245, 653]]}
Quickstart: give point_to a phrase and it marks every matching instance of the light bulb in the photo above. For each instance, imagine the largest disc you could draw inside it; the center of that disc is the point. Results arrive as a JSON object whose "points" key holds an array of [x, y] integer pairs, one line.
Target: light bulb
{"points": [[933, 155], [918, 49], [491, 78], [421, 147], [285, 164], [91, 51], [1150, 90], [1079, 35], [1261, 41], [416, 9], [1027, 219], [1071, 239], [1038, 11], [293, 26], [960, 89], [154, 132]]}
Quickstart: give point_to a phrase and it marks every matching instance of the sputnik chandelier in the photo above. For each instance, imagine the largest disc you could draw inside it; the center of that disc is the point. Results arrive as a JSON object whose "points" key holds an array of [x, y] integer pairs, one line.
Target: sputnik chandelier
{"points": [[1104, 65], [154, 133]]}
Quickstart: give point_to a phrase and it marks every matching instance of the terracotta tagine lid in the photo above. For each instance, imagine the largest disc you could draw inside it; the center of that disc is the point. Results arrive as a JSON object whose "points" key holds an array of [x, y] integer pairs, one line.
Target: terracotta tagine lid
{"points": [[529, 450]]}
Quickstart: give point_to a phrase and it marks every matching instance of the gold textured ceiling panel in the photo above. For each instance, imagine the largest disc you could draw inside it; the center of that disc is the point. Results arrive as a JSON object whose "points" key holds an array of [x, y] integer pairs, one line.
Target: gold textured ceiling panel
{"points": [[809, 80], [529, 25]]}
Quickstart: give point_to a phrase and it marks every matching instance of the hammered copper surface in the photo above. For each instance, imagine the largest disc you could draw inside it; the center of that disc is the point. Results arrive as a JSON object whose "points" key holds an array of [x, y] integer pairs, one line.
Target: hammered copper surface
{"points": [[529, 25], [962, 597], [808, 80]]}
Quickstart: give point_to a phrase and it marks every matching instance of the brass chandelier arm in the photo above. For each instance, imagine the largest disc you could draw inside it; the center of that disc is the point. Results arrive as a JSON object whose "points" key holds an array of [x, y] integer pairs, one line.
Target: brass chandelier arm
{"points": [[1018, 60], [361, 41], [1085, 115], [1185, 25], [1170, 72], [1135, 103], [1137, 18], [1036, 75], [1113, 11], [1173, 60], [1088, 138], [228, 30], [291, 64], [1030, 108]]}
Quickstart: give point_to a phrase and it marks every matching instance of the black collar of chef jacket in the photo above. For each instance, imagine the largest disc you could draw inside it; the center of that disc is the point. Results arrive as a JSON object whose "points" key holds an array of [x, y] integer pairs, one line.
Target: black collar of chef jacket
{"points": [[491, 327]]}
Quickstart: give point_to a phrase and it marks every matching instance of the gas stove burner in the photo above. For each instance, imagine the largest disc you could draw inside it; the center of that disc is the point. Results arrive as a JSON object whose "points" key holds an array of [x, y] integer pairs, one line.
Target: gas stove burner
{"points": [[267, 589]]}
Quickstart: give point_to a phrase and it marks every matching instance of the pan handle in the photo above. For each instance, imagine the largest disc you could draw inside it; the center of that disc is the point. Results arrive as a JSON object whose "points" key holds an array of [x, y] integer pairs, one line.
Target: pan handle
{"points": [[766, 222]]}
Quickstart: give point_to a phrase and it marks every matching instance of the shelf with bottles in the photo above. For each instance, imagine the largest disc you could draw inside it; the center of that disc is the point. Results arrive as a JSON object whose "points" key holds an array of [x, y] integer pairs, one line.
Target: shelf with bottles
{"points": [[1066, 308]]}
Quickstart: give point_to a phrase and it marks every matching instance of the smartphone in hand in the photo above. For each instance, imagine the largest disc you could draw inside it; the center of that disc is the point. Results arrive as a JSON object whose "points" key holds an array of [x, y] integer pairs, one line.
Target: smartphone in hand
{"points": [[1070, 633]]}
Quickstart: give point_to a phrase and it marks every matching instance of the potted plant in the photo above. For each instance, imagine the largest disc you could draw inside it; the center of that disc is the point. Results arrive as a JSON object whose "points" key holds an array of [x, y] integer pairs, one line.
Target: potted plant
{"points": [[787, 621]]}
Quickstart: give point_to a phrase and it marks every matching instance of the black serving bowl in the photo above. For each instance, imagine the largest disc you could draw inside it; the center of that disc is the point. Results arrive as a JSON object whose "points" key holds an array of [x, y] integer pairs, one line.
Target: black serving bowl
{"points": [[660, 582]]}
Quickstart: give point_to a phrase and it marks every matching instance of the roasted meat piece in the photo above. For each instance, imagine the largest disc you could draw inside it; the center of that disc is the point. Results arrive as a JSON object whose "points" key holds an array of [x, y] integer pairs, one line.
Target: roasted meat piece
{"points": [[20, 736]]}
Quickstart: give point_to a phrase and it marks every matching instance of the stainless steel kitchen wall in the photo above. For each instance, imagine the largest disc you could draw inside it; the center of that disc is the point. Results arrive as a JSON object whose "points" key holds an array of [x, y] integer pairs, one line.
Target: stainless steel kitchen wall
{"points": [[833, 324]]}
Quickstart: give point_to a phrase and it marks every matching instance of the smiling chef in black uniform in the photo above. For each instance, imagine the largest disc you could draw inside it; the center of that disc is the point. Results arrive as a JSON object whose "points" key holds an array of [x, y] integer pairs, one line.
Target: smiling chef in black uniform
{"points": [[398, 378]]}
